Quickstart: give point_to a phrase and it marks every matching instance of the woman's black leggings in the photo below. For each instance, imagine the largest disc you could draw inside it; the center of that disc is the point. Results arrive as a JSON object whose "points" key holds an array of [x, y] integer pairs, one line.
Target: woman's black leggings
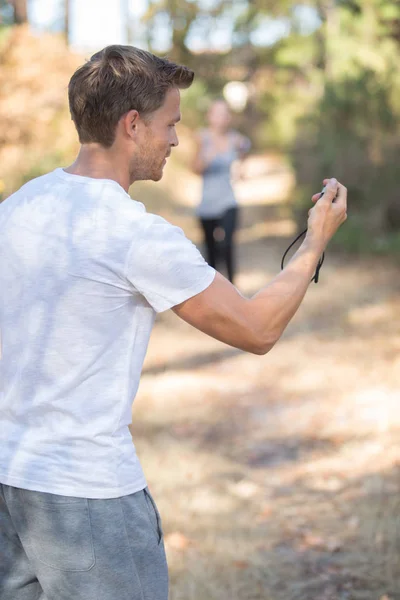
{"points": [[215, 248]]}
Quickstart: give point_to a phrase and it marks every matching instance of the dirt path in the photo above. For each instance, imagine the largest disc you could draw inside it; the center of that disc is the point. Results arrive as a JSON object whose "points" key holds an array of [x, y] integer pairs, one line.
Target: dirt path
{"points": [[278, 476]]}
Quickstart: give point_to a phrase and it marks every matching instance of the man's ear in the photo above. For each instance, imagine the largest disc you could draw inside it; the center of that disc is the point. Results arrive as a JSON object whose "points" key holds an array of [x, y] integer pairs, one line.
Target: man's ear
{"points": [[131, 122]]}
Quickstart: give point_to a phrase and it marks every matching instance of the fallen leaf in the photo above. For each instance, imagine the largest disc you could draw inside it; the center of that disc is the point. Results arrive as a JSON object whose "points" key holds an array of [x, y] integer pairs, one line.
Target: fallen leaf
{"points": [[265, 513], [177, 541], [317, 542], [241, 564], [311, 540]]}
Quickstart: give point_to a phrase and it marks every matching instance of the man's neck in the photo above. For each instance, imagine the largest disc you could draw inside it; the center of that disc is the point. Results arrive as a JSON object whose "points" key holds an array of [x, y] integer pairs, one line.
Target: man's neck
{"points": [[98, 162]]}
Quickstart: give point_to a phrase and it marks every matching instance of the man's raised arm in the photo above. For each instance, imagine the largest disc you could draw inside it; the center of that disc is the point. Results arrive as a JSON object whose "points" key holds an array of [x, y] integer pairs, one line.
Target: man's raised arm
{"points": [[256, 324]]}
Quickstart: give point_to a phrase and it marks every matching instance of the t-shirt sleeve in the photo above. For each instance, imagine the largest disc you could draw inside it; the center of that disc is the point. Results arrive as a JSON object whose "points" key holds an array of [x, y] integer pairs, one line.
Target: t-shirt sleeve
{"points": [[164, 266]]}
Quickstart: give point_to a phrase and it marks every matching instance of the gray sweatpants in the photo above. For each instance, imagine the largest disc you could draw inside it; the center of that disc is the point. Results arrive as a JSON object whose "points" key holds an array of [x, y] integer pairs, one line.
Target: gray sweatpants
{"points": [[65, 548]]}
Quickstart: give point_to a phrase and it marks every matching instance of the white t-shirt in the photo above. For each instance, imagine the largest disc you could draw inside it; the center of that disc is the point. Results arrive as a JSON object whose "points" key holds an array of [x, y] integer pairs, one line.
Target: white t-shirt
{"points": [[83, 270]]}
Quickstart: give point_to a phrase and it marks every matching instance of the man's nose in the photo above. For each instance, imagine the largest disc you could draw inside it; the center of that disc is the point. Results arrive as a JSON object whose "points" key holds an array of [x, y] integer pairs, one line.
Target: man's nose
{"points": [[174, 141]]}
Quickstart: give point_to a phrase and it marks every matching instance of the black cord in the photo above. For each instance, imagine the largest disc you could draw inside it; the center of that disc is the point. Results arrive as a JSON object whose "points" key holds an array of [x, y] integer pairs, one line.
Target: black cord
{"points": [[320, 262], [315, 279]]}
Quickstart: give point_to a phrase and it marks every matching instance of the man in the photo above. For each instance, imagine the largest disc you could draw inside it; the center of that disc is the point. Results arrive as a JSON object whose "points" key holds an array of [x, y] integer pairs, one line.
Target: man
{"points": [[83, 271]]}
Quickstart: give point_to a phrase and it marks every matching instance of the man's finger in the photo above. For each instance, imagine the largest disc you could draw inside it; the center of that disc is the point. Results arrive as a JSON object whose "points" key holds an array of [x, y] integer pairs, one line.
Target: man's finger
{"points": [[341, 197], [331, 189], [316, 197]]}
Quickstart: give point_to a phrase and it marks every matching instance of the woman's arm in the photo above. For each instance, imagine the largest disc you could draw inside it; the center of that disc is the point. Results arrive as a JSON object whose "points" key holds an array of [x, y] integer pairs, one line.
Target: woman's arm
{"points": [[243, 145], [203, 157]]}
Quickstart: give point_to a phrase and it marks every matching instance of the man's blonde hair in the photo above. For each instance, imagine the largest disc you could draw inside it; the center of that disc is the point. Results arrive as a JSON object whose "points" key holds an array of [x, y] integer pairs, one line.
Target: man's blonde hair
{"points": [[116, 80]]}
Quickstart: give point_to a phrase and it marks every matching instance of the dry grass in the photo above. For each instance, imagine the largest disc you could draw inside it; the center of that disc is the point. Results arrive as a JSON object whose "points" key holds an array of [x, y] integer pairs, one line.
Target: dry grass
{"points": [[278, 477]]}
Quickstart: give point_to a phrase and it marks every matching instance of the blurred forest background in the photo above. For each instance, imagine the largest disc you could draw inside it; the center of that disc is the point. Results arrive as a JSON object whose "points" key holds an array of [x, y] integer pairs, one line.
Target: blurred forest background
{"points": [[277, 476], [322, 81]]}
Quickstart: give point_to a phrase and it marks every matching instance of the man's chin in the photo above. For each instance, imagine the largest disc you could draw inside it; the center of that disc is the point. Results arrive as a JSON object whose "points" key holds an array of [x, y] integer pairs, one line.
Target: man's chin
{"points": [[157, 175]]}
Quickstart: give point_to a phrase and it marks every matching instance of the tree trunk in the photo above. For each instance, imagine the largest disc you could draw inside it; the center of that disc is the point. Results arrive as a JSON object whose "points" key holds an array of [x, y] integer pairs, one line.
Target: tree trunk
{"points": [[127, 22], [20, 11], [328, 12], [66, 20]]}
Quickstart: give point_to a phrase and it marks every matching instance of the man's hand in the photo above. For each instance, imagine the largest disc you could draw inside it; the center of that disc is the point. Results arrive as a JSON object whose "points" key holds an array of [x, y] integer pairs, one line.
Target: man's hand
{"points": [[329, 212]]}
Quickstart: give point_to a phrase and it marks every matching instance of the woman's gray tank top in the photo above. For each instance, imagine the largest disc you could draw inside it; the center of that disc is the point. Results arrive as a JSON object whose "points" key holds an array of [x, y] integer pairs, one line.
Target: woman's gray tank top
{"points": [[217, 193]]}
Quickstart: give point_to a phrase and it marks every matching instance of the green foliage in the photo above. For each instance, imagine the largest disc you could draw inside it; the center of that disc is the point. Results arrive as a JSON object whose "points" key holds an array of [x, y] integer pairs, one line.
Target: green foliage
{"points": [[357, 239], [352, 128], [327, 92], [43, 165], [195, 102], [5, 31]]}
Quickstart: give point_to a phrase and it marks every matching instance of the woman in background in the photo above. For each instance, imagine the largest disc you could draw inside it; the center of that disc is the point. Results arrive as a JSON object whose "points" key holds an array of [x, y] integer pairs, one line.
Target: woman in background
{"points": [[218, 146]]}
